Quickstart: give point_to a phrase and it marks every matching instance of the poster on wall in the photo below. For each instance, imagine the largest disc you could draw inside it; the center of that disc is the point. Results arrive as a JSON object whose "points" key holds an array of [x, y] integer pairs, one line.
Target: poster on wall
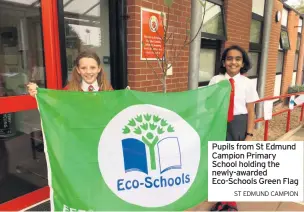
{"points": [[152, 32]]}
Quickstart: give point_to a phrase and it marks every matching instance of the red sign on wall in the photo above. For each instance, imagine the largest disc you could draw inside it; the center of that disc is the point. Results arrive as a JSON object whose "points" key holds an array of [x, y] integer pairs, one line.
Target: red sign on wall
{"points": [[152, 33]]}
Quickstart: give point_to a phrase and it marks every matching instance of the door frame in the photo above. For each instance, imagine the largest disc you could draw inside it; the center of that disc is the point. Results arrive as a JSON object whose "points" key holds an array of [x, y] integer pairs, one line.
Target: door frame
{"points": [[50, 37]]}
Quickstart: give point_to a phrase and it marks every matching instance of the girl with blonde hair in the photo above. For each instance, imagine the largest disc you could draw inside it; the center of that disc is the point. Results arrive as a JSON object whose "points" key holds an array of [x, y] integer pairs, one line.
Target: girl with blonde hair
{"points": [[87, 75]]}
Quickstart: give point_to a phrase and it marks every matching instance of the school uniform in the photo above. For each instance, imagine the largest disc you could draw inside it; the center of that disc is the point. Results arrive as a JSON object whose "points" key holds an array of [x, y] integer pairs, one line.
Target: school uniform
{"points": [[243, 91], [87, 87], [90, 87]]}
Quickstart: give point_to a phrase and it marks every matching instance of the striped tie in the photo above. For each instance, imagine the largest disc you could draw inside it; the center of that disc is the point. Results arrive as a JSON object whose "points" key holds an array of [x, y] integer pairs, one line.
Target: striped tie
{"points": [[90, 88]]}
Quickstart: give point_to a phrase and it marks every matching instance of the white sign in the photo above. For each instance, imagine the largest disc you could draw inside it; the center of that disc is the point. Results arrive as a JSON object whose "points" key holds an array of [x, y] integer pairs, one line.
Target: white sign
{"points": [[299, 100], [147, 160], [268, 107], [255, 171]]}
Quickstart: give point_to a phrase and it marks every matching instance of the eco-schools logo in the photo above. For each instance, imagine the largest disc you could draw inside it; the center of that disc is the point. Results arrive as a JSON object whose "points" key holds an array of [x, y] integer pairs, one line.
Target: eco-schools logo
{"points": [[150, 128], [149, 155]]}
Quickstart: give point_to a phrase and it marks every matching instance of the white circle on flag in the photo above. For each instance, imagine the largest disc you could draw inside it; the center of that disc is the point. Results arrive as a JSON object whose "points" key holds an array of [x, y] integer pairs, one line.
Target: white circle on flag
{"points": [[148, 155]]}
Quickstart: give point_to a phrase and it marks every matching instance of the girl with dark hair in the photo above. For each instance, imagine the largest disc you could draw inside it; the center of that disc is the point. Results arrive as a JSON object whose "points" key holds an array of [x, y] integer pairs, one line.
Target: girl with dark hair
{"points": [[87, 75], [234, 64]]}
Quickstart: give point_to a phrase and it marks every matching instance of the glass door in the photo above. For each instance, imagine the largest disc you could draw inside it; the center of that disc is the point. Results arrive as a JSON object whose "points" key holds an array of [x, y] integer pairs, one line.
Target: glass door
{"points": [[24, 34]]}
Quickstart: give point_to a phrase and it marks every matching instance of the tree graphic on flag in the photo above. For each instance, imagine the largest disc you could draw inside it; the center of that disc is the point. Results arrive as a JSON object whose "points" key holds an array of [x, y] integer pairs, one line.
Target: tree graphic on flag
{"points": [[150, 128]]}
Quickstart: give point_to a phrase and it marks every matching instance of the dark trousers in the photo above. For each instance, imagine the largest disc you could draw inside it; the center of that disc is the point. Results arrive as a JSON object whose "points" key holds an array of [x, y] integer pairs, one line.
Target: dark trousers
{"points": [[237, 128]]}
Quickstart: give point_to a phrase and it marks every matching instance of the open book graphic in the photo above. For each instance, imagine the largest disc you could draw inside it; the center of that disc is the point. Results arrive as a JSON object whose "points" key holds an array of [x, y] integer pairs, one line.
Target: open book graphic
{"points": [[169, 154], [135, 155]]}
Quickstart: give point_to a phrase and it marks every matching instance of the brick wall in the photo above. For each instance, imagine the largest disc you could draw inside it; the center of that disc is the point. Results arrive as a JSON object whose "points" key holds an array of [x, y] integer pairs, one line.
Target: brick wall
{"points": [[300, 61], [273, 50], [140, 75], [238, 20], [293, 20]]}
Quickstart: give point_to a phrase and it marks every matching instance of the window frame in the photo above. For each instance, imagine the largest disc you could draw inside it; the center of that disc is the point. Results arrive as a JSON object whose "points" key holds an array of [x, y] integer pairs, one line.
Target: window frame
{"points": [[284, 29], [258, 64], [297, 52], [300, 26], [220, 3], [283, 51], [257, 47], [216, 45]]}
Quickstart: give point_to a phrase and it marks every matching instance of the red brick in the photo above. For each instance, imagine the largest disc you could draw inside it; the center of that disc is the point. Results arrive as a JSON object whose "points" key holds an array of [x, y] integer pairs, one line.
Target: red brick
{"points": [[290, 55]]}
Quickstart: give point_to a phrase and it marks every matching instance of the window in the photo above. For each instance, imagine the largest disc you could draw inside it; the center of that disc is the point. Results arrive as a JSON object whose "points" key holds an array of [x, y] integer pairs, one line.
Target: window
{"points": [[298, 42], [207, 67], [280, 62], [279, 71], [300, 25], [209, 60], [256, 29], [295, 65], [254, 59], [21, 47], [213, 33], [213, 23], [284, 18], [284, 40], [258, 7]]}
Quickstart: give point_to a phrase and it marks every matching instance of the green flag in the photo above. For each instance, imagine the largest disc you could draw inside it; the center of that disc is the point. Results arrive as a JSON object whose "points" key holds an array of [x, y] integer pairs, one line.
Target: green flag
{"points": [[131, 150]]}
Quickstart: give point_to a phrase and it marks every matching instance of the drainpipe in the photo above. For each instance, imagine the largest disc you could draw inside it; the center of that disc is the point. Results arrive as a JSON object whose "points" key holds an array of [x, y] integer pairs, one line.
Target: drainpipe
{"points": [[300, 74], [264, 55], [195, 46]]}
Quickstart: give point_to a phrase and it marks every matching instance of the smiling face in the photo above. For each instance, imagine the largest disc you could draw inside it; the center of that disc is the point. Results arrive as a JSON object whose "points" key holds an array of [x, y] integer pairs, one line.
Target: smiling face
{"points": [[233, 62], [88, 69]]}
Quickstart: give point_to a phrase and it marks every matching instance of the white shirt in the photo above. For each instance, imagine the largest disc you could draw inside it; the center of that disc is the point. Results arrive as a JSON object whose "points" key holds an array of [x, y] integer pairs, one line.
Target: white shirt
{"points": [[245, 91], [85, 86]]}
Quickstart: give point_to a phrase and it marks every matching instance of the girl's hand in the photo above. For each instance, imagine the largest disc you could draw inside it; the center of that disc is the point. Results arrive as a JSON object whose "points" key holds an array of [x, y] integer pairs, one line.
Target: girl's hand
{"points": [[32, 89]]}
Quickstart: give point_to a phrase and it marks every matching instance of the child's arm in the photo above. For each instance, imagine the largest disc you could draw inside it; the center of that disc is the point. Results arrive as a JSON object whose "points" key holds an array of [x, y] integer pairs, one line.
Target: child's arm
{"points": [[250, 121]]}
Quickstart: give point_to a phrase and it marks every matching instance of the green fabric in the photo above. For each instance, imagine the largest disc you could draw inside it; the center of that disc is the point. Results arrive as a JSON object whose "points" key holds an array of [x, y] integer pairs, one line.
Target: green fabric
{"points": [[73, 123]]}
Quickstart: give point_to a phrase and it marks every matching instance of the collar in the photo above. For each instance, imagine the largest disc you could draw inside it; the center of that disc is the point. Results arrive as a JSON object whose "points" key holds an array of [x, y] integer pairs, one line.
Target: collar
{"points": [[85, 86], [235, 77]]}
